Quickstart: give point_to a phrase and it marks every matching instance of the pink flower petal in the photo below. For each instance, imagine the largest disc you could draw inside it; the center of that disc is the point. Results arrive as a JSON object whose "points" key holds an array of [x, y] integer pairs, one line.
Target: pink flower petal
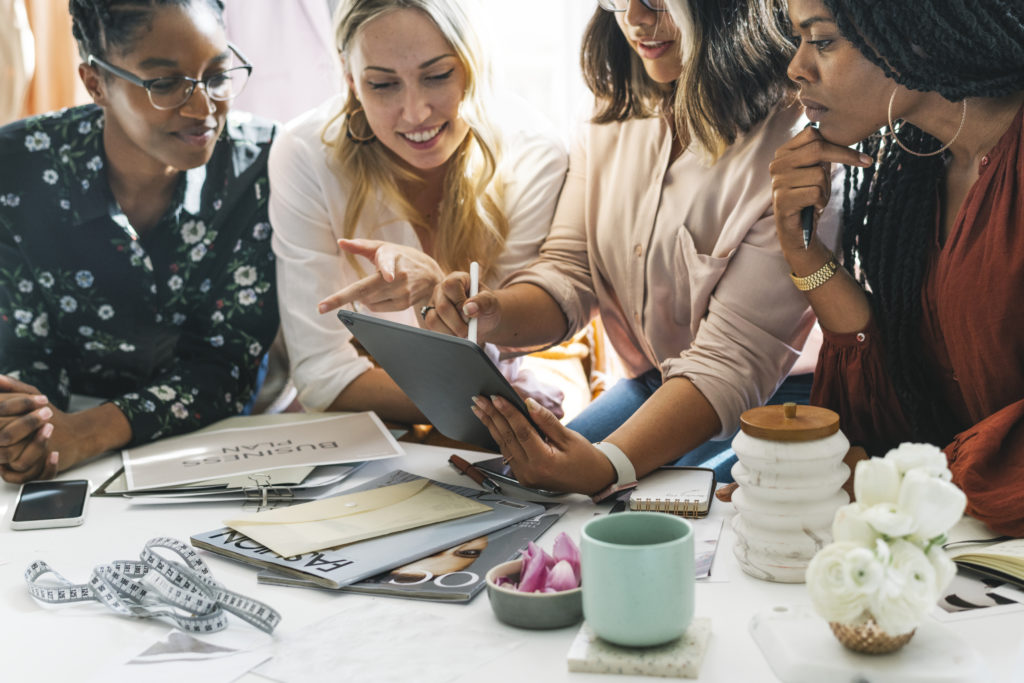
{"points": [[562, 577], [565, 549], [533, 577]]}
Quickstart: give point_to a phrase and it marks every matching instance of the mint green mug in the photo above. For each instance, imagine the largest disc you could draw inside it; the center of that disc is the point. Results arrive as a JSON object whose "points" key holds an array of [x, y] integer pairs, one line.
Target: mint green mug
{"points": [[637, 577]]}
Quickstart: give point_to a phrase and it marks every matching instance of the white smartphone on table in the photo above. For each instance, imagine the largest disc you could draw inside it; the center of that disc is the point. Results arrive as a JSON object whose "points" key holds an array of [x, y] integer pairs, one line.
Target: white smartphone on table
{"points": [[46, 504]]}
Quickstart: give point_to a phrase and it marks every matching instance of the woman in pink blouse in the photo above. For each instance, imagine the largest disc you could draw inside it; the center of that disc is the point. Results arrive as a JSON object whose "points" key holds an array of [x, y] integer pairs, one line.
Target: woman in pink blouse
{"points": [[664, 228], [924, 341]]}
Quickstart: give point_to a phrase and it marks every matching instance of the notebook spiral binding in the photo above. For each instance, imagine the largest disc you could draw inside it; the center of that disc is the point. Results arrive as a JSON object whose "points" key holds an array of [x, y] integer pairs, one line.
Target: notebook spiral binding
{"points": [[683, 508]]}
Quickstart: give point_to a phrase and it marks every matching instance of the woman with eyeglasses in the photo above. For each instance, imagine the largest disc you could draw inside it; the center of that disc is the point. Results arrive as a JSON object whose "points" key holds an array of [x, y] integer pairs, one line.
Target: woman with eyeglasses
{"points": [[418, 170], [664, 227], [924, 319], [135, 261]]}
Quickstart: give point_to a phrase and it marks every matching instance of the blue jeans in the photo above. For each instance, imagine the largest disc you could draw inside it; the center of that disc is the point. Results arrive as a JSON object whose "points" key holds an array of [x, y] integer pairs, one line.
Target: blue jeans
{"points": [[613, 407]]}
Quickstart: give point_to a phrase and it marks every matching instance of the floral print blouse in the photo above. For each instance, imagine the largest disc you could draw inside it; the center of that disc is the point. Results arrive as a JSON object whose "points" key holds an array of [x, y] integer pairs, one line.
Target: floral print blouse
{"points": [[170, 326]]}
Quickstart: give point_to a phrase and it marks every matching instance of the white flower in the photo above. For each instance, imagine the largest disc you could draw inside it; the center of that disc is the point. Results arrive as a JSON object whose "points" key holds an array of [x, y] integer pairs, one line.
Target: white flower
{"points": [[164, 392], [255, 349], [836, 592], [261, 231], [192, 231], [11, 200], [50, 176], [204, 286], [247, 297], [94, 164], [908, 456], [84, 279], [85, 184], [105, 312], [179, 411], [945, 568], [94, 346], [40, 365], [888, 520], [84, 127], [908, 591], [126, 347], [85, 331], [148, 406], [876, 480], [179, 318], [23, 316], [25, 286], [935, 504], [175, 282], [65, 204], [68, 304], [46, 279], [245, 276], [849, 525], [217, 317], [198, 252], [37, 142], [41, 325], [217, 341]]}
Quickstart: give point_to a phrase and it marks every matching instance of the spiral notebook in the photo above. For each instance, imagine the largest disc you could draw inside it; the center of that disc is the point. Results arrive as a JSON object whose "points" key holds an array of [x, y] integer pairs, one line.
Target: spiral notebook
{"points": [[684, 491]]}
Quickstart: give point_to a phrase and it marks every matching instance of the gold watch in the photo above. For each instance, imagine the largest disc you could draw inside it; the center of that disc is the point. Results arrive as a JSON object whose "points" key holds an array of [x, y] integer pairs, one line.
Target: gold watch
{"points": [[818, 277]]}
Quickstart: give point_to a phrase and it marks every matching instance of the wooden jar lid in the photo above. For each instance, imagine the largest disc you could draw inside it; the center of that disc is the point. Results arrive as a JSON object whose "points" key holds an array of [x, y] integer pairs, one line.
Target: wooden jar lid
{"points": [[789, 422]]}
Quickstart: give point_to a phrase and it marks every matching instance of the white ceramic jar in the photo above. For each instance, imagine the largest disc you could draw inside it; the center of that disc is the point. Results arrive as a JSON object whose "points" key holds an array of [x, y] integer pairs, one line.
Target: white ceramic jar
{"points": [[790, 473]]}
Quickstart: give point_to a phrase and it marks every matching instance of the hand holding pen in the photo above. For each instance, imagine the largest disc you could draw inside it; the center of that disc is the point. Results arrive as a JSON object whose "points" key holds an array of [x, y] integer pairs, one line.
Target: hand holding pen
{"points": [[801, 188]]}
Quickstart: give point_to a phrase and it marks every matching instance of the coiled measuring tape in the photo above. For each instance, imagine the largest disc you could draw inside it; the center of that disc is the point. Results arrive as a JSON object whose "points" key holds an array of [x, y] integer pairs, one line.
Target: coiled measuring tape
{"points": [[154, 587]]}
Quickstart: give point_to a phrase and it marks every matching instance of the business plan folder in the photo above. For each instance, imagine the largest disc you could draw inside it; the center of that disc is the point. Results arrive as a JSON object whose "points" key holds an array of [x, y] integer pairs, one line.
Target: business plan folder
{"points": [[235, 451]]}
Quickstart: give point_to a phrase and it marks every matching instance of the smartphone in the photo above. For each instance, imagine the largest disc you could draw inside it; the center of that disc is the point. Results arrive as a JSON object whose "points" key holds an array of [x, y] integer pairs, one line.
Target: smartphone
{"points": [[45, 504], [496, 469]]}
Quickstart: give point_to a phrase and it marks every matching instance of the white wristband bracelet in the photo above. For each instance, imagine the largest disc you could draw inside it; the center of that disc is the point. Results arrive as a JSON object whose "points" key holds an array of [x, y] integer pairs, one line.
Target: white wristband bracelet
{"points": [[624, 471]]}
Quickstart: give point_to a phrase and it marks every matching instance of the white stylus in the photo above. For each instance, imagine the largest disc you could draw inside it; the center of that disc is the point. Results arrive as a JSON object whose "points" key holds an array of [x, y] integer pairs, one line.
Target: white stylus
{"points": [[474, 288]]}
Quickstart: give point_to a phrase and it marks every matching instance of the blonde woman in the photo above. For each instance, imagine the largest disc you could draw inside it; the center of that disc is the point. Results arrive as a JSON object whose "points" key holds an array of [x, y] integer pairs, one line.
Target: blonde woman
{"points": [[379, 193]]}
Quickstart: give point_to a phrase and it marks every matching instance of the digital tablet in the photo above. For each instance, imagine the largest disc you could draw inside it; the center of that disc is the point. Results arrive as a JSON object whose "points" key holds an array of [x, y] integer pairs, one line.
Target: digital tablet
{"points": [[439, 372]]}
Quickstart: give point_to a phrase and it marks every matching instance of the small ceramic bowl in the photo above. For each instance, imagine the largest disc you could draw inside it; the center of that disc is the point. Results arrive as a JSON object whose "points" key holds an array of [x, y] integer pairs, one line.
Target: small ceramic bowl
{"points": [[531, 610]]}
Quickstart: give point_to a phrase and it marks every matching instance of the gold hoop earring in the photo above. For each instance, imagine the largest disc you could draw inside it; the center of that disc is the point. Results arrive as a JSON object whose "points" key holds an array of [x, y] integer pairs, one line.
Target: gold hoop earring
{"points": [[940, 150], [360, 140]]}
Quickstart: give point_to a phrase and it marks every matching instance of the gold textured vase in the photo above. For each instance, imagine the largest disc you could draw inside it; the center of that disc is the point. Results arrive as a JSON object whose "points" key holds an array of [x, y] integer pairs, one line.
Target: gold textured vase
{"points": [[868, 638]]}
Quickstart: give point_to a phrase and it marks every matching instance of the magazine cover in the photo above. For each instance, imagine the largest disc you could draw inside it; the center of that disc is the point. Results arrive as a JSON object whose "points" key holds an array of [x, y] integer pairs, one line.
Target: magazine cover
{"points": [[452, 575], [348, 564]]}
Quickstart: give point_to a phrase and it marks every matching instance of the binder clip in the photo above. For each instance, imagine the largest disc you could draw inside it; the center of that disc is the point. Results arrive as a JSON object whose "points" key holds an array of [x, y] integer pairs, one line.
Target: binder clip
{"points": [[263, 496]]}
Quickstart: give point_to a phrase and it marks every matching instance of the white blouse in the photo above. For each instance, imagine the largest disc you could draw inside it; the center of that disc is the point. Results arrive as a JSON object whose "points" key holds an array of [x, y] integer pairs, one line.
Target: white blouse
{"points": [[307, 210]]}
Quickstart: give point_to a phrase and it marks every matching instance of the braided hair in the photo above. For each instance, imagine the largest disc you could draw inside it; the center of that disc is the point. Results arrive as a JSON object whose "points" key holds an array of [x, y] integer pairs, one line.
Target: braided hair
{"points": [[889, 210], [99, 25]]}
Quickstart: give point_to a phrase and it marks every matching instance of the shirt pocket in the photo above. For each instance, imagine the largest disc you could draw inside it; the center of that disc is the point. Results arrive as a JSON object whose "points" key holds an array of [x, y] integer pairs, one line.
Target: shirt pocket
{"points": [[696, 276]]}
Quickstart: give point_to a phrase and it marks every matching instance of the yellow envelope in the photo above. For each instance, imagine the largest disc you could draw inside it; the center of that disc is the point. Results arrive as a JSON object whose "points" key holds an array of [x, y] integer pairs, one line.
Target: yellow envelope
{"points": [[354, 517]]}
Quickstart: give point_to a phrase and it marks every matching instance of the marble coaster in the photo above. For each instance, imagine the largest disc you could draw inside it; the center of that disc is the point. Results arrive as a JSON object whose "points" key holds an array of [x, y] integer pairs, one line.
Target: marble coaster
{"points": [[678, 659]]}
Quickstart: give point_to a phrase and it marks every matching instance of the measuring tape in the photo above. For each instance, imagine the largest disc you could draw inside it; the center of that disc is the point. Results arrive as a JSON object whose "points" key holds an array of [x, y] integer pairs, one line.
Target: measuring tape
{"points": [[157, 587]]}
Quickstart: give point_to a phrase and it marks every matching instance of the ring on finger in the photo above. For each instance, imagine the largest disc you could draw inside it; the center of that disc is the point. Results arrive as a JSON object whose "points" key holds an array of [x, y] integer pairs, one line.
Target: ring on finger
{"points": [[424, 310]]}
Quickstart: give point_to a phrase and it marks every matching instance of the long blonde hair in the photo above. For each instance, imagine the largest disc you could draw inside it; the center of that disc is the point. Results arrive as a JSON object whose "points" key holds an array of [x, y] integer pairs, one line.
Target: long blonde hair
{"points": [[472, 225]]}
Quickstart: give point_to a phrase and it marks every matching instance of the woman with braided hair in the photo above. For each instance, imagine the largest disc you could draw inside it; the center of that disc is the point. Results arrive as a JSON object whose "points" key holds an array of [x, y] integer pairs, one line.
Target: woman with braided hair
{"points": [[135, 260], [924, 323]]}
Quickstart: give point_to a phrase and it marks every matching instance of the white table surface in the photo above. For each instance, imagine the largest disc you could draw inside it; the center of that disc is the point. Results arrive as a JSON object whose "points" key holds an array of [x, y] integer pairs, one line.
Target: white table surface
{"points": [[71, 642]]}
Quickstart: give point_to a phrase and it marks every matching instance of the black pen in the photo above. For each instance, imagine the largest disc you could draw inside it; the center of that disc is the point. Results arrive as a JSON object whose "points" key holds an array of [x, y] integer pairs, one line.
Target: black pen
{"points": [[807, 213], [473, 473]]}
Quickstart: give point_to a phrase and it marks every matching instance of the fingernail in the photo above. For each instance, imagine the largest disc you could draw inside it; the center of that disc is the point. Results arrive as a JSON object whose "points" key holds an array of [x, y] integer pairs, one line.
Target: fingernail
{"points": [[532, 405], [478, 402], [866, 160], [54, 456], [41, 400], [322, 308], [45, 413], [47, 430], [476, 411], [470, 308]]}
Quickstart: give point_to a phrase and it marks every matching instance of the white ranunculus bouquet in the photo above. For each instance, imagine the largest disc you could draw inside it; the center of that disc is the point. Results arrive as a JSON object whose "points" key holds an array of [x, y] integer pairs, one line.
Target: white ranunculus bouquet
{"points": [[886, 561]]}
